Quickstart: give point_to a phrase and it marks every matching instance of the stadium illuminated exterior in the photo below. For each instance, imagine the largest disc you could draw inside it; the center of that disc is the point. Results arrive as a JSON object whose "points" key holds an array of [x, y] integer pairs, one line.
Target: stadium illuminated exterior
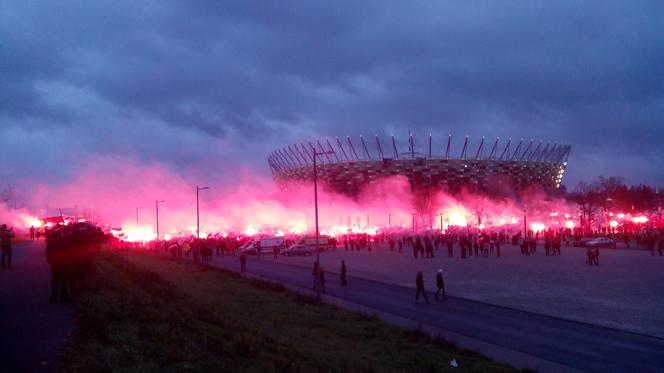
{"points": [[348, 167]]}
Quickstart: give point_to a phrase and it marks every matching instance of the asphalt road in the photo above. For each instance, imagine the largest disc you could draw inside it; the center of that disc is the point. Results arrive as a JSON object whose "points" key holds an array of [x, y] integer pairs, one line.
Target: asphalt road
{"points": [[576, 345], [32, 331]]}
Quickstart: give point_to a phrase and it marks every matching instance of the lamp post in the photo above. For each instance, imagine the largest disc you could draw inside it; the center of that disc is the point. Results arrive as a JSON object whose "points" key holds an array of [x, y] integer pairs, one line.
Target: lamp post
{"points": [[156, 205], [441, 222], [198, 219], [525, 232], [137, 208], [317, 280]]}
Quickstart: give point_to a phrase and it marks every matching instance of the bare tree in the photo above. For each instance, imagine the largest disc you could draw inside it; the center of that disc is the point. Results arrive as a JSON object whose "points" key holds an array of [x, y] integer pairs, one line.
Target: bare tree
{"points": [[479, 211], [92, 216], [590, 199]]}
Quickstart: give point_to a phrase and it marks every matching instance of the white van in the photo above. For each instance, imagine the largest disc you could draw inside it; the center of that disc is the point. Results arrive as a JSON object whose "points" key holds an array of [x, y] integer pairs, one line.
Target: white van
{"points": [[267, 245]]}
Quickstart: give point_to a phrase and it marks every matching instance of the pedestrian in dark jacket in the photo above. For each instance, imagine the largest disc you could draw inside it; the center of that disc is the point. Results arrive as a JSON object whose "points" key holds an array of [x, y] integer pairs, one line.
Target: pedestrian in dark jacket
{"points": [[419, 283], [56, 256], [440, 283], [6, 236], [344, 282], [243, 263], [321, 279], [314, 274]]}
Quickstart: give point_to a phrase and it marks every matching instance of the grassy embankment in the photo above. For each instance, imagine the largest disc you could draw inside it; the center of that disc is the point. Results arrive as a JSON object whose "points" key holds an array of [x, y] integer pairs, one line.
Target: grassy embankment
{"points": [[146, 313]]}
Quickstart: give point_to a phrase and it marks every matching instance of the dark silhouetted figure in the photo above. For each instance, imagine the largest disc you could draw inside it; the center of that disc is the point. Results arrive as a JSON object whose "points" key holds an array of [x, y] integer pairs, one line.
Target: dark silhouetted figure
{"points": [[429, 249], [243, 263], [450, 247], [56, 255], [596, 256], [440, 283], [314, 274], [344, 282], [321, 279], [593, 256], [6, 236], [32, 232], [419, 283]]}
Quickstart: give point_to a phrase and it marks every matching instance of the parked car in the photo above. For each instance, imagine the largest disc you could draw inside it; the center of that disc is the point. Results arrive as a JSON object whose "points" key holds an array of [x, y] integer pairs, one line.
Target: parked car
{"points": [[299, 250], [581, 242], [601, 242]]}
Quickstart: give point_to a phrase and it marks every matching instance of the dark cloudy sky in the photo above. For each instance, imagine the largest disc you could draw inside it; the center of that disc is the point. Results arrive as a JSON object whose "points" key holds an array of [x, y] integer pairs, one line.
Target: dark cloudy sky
{"points": [[220, 83]]}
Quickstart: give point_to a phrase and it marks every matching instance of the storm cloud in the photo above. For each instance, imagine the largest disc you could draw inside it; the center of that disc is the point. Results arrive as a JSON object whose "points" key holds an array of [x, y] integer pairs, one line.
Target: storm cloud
{"points": [[206, 87]]}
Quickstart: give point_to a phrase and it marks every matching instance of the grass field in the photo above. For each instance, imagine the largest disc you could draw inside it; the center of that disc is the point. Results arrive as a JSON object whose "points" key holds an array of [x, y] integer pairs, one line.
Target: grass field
{"points": [[146, 313]]}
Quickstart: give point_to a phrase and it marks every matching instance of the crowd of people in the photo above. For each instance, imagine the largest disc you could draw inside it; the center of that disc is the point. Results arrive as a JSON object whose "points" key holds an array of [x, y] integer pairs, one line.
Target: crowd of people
{"points": [[70, 249]]}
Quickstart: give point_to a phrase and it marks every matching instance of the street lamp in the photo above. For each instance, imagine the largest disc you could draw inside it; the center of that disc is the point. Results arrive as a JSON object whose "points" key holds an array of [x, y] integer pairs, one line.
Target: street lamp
{"points": [[317, 282], [156, 205], [137, 208], [198, 220]]}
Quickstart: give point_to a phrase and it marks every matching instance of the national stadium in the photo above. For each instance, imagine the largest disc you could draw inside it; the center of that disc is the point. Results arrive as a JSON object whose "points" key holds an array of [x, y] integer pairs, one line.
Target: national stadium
{"points": [[348, 167]]}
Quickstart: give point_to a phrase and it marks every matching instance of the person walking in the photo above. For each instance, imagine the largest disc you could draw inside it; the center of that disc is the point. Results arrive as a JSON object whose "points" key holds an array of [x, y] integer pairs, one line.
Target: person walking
{"points": [[56, 256], [314, 274], [321, 279], [450, 247], [243, 263], [6, 236], [429, 249], [596, 256], [344, 282], [440, 283], [419, 283]]}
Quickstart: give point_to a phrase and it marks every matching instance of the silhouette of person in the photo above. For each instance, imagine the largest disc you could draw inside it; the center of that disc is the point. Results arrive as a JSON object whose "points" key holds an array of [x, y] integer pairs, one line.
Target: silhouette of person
{"points": [[243, 263], [419, 283], [344, 282], [6, 236], [440, 283]]}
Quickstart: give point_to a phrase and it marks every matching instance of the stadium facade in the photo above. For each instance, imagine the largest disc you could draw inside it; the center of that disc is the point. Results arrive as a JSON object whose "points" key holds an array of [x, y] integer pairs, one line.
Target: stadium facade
{"points": [[348, 167]]}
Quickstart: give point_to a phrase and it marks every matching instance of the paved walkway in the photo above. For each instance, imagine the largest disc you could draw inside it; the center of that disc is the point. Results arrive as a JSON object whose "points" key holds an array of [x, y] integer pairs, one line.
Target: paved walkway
{"points": [[577, 345], [32, 331], [626, 291]]}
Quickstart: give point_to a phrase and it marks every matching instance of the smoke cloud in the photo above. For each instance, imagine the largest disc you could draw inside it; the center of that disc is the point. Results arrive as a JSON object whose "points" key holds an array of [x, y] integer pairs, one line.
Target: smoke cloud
{"points": [[114, 191]]}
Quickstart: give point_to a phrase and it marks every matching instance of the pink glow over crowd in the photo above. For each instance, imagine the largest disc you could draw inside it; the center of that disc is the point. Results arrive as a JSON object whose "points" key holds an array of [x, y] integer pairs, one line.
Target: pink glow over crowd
{"points": [[109, 193]]}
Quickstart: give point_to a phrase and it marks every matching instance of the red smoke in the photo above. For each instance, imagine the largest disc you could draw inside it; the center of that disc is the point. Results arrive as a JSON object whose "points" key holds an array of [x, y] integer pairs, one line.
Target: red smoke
{"points": [[110, 189]]}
